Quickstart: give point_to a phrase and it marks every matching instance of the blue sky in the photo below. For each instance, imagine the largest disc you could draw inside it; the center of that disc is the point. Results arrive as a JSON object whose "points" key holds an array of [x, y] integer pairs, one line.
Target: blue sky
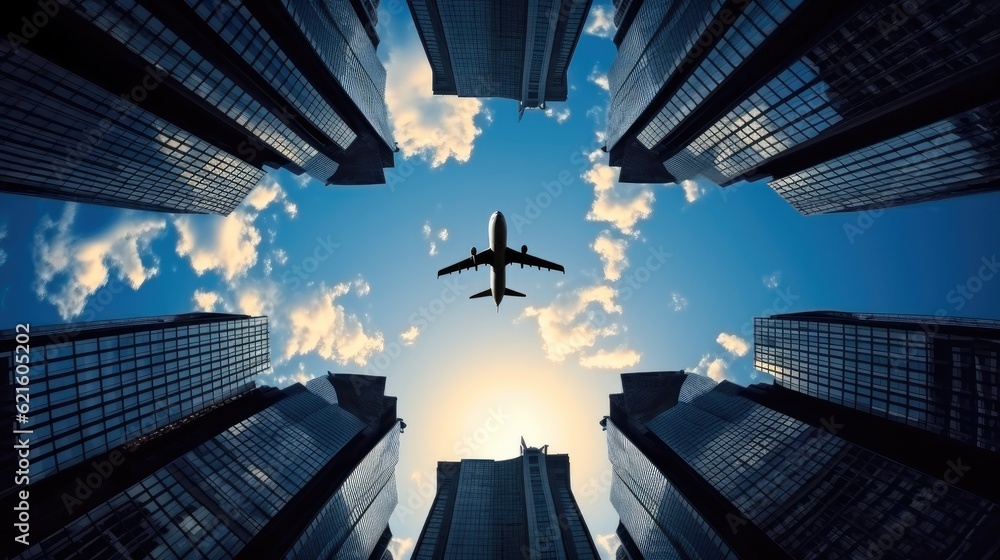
{"points": [[659, 277]]}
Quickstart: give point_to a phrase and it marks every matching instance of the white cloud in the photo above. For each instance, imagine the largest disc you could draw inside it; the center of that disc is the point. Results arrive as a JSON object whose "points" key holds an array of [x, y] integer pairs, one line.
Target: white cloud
{"points": [[267, 192], [609, 543], [206, 301], [623, 206], [571, 324], [733, 344], [612, 253], [426, 229], [280, 256], [399, 546], [323, 326], [361, 287], [715, 368], [257, 299], [692, 191], [677, 301], [87, 264], [226, 245], [3, 234], [272, 234], [560, 116], [443, 235], [410, 335], [435, 127], [268, 267], [433, 250], [595, 113], [611, 359], [771, 281], [599, 78], [601, 23]]}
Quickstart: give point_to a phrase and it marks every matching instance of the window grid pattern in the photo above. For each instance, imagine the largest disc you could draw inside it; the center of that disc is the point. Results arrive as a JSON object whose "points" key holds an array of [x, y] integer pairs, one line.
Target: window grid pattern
{"points": [[210, 502], [48, 122], [541, 30], [93, 393], [749, 30], [489, 64], [943, 383], [779, 471], [253, 43], [340, 39], [663, 523], [471, 534], [353, 519], [652, 50], [133, 26], [863, 66], [929, 163], [446, 481], [788, 110]]}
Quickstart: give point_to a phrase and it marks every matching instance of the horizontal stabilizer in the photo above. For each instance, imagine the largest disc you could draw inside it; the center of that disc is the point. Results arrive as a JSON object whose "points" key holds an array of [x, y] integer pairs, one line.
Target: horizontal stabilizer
{"points": [[510, 292], [485, 293]]}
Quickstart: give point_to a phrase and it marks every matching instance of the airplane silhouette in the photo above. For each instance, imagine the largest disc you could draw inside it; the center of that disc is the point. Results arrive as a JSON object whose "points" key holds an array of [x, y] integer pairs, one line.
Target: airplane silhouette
{"points": [[498, 256]]}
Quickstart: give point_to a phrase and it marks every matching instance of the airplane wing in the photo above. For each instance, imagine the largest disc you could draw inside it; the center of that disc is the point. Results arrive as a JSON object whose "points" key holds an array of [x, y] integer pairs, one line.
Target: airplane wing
{"points": [[526, 259], [484, 258]]}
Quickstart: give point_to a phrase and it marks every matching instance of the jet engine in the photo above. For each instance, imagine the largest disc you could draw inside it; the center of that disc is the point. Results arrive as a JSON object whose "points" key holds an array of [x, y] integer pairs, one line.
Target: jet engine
{"points": [[474, 265], [524, 251]]}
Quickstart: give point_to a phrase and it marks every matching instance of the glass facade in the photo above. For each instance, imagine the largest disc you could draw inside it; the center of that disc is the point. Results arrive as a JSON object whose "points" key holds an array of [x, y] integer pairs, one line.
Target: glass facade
{"points": [[814, 494], [878, 60], [213, 500], [934, 373], [64, 138], [100, 385], [663, 522], [524, 57], [513, 509], [69, 134]]}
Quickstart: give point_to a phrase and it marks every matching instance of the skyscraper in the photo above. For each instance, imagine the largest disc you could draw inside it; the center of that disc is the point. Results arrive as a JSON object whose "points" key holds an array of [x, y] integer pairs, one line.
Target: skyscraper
{"points": [[93, 387], [176, 106], [513, 509], [703, 470], [516, 49], [306, 472], [841, 105]]}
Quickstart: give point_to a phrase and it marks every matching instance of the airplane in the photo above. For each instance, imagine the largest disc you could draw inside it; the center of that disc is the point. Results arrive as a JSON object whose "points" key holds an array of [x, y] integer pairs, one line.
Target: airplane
{"points": [[498, 256]]}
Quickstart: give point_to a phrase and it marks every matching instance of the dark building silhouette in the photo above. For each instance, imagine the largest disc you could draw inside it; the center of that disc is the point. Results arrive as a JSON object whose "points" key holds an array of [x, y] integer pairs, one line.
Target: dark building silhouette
{"points": [[96, 386], [841, 105], [938, 374], [516, 49], [177, 106], [513, 509], [706, 470], [305, 471]]}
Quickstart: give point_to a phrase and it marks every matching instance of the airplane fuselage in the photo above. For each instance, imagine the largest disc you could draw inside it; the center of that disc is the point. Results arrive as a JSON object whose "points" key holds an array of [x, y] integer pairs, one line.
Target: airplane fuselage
{"points": [[498, 243]]}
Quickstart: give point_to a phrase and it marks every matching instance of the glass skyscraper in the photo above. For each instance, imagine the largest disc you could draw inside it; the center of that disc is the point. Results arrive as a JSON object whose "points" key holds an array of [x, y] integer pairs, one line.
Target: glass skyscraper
{"points": [[938, 374], [841, 106], [704, 470], [520, 508], [517, 49], [302, 472], [96, 386], [176, 106]]}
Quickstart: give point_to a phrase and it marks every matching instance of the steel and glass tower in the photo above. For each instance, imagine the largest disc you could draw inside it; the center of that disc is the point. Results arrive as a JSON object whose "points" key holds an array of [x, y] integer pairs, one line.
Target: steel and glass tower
{"points": [[705, 470], [177, 106], [517, 49], [937, 374], [93, 387], [304, 472], [513, 509], [841, 106]]}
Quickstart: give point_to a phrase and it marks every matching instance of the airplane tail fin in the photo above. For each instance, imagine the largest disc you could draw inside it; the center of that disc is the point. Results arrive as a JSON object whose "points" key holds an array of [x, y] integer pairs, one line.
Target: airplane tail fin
{"points": [[484, 293], [510, 292]]}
